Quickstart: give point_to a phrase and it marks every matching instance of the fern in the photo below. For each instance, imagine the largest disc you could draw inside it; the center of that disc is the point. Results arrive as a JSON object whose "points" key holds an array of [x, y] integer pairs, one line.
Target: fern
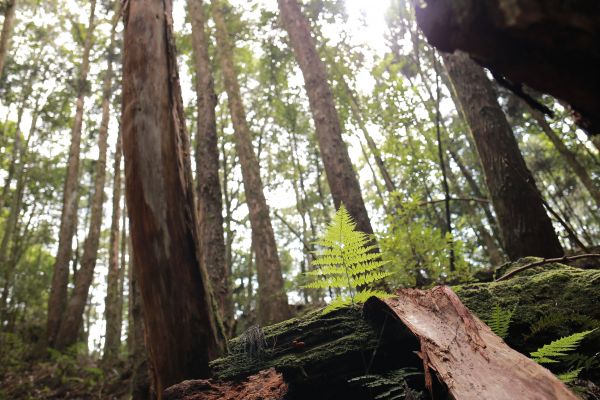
{"points": [[559, 348], [500, 320], [390, 386], [347, 262], [569, 376]]}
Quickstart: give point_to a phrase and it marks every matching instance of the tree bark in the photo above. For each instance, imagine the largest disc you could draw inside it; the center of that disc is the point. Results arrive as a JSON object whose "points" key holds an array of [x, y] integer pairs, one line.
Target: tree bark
{"points": [[338, 167], [57, 301], [272, 300], [525, 227], [140, 379], [73, 316], [7, 29], [210, 201], [112, 336], [182, 329], [549, 46]]}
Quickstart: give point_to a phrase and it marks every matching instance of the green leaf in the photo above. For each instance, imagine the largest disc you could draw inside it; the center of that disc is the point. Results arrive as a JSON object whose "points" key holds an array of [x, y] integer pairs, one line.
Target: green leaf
{"points": [[558, 348], [346, 261]]}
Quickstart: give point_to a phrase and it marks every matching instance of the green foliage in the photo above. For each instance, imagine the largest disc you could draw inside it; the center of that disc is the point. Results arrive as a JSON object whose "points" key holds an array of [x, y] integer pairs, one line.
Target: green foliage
{"points": [[499, 321], [347, 262], [559, 348], [419, 253], [389, 386], [570, 375]]}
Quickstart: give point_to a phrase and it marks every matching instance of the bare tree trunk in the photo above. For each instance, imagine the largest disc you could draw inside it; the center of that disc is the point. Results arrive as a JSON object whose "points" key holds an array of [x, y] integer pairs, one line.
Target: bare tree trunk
{"points": [[338, 167], [525, 227], [272, 300], [182, 327], [57, 301], [210, 201], [112, 336], [567, 155], [7, 28]]}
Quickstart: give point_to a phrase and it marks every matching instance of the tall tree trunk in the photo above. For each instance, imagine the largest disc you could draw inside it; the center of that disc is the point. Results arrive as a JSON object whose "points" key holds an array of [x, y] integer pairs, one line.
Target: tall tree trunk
{"points": [[57, 301], [140, 379], [182, 326], [112, 336], [567, 155], [72, 319], [7, 28], [210, 201], [272, 300], [338, 167], [525, 227]]}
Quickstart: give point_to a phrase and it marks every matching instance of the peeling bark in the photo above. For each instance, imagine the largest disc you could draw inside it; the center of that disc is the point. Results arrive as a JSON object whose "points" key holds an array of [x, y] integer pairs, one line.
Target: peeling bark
{"points": [[181, 326]]}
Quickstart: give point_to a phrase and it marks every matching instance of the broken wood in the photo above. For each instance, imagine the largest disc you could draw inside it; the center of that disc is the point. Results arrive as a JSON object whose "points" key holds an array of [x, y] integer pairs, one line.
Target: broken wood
{"points": [[464, 353], [328, 356], [267, 384]]}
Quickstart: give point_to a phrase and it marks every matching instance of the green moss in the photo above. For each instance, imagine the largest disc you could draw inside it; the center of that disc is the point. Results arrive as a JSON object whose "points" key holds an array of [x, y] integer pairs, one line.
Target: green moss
{"points": [[302, 347], [553, 289]]}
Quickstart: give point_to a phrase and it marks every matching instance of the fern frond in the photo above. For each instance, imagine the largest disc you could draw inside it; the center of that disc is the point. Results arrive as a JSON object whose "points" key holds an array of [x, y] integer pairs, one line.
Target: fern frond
{"points": [[569, 376], [499, 321], [558, 348], [370, 277], [337, 282], [365, 295], [346, 260], [327, 270], [337, 303], [366, 267]]}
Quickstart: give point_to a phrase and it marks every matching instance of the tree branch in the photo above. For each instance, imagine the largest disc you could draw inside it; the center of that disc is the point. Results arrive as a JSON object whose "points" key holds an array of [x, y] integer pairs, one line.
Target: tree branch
{"points": [[546, 261]]}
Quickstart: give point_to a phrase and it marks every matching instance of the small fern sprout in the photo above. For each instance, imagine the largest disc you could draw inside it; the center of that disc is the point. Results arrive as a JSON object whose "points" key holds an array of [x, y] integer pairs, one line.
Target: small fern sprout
{"points": [[347, 261], [500, 319]]}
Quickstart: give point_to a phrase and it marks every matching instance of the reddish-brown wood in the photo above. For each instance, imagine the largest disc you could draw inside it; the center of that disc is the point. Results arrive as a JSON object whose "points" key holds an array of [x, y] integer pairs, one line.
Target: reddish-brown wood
{"points": [[464, 353], [268, 384], [181, 329]]}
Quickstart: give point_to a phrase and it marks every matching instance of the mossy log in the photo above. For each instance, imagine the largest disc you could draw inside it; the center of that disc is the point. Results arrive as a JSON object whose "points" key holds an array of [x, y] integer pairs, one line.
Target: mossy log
{"points": [[325, 356]]}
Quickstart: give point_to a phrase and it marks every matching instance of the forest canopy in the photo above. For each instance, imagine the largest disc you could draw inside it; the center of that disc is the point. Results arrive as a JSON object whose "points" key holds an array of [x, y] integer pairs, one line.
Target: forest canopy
{"points": [[171, 172]]}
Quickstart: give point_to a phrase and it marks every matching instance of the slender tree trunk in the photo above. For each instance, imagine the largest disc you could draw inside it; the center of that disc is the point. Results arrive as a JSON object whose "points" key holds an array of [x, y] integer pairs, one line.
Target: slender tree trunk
{"points": [[525, 227], [112, 336], [358, 116], [210, 201], [11, 224], [272, 300], [338, 167], [182, 327], [57, 301], [72, 319], [567, 155], [7, 28]]}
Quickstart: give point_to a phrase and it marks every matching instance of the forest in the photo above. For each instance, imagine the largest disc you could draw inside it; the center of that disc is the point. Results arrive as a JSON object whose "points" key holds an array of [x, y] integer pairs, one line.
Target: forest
{"points": [[292, 199]]}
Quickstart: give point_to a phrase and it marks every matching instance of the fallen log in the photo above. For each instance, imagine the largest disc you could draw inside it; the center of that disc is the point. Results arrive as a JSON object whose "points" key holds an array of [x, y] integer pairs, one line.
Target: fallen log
{"points": [[361, 355], [464, 353]]}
